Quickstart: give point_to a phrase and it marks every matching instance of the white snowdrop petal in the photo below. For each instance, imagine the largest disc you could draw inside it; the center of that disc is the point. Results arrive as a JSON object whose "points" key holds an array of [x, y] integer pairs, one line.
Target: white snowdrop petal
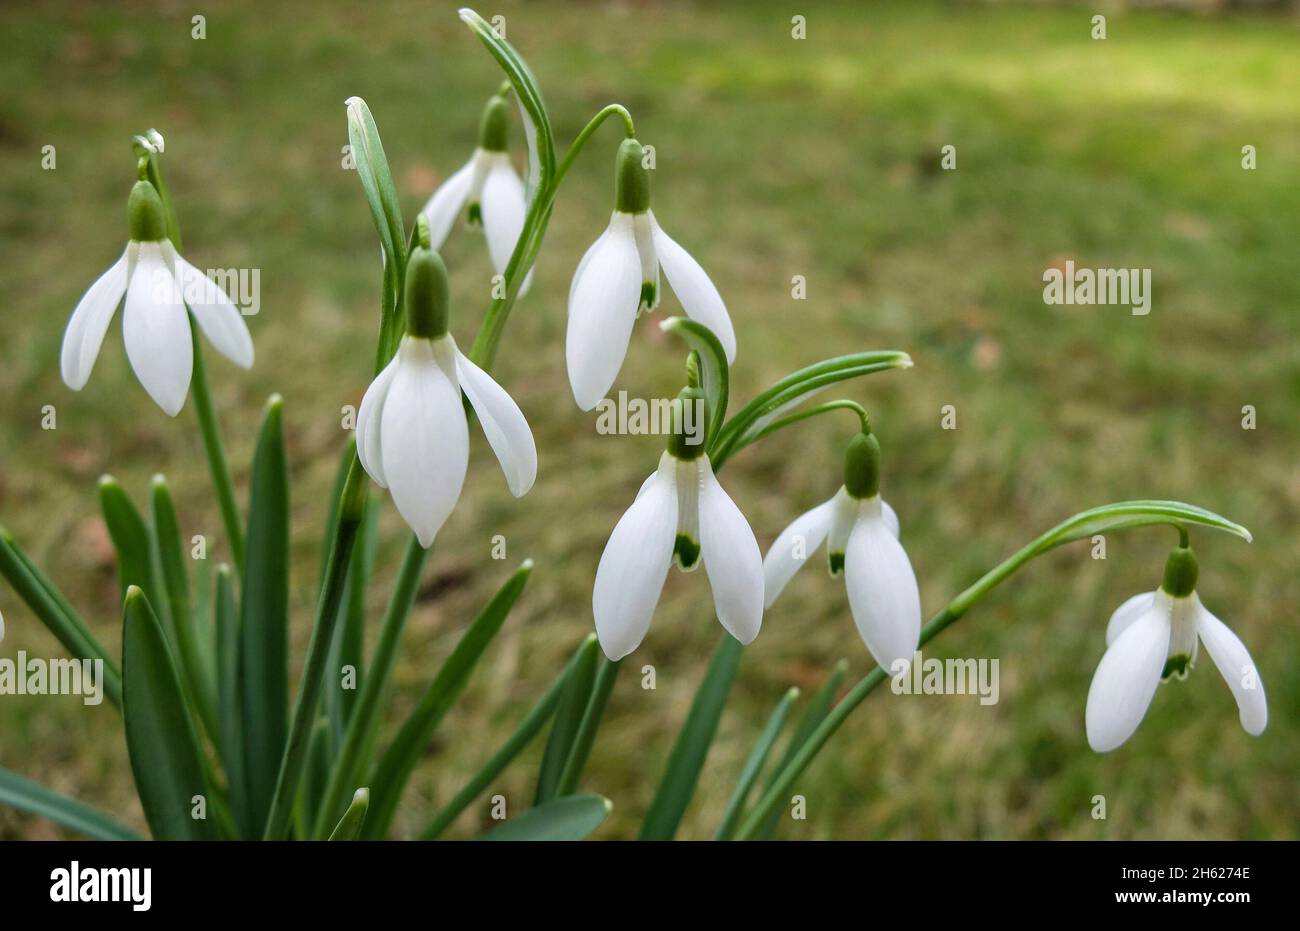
{"points": [[503, 423], [731, 559], [634, 565], [89, 322], [504, 208], [1124, 616], [446, 204], [1126, 679], [794, 547], [156, 330], [602, 309], [369, 420], [219, 319], [1237, 669], [890, 518], [883, 594], [425, 440], [698, 297]]}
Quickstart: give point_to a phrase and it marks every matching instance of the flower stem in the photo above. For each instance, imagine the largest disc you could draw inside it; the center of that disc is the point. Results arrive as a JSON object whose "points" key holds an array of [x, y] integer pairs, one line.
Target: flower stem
{"points": [[212, 445]]}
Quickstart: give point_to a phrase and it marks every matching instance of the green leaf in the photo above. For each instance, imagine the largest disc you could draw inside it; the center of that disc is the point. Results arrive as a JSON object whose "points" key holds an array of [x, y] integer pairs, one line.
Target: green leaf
{"points": [[130, 539], [793, 390], [573, 817], [160, 739], [348, 648], [529, 729], [54, 611], [715, 377], [692, 746], [395, 767], [199, 690], [34, 798], [591, 718], [229, 696], [754, 765], [525, 85], [820, 706], [349, 826], [381, 196], [568, 720], [264, 618], [1126, 514]]}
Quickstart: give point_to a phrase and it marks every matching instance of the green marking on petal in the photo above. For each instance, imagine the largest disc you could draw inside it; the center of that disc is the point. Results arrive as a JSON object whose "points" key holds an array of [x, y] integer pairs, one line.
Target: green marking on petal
{"points": [[647, 295], [475, 214], [687, 552], [1177, 666], [836, 563]]}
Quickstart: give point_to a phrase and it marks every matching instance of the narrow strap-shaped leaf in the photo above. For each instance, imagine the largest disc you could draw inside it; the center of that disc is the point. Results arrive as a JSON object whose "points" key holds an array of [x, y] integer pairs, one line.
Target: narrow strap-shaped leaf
{"points": [[199, 688], [293, 761], [358, 739], [591, 718], [715, 376], [160, 739], [820, 706], [348, 648], [754, 765], [395, 767], [692, 745], [130, 537], [349, 826], [19, 792], [525, 85], [264, 618], [54, 611], [568, 720], [537, 718], [573, 817], [230, 698]]}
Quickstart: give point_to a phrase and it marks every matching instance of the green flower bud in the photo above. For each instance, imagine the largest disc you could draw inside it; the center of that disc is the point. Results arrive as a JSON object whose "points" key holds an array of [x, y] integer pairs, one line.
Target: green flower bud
{"points": [[494, 125], [145, 216], [862, 466], [1181, 570], [427, 297], [689, 425], [631, 180]]}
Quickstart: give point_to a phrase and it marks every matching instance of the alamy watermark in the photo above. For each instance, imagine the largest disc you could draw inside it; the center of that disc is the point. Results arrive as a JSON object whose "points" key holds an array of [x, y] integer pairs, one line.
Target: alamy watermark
{"points": [[36, 675], [952, 676], [242, 286], [1122, 286], [638, 416]]}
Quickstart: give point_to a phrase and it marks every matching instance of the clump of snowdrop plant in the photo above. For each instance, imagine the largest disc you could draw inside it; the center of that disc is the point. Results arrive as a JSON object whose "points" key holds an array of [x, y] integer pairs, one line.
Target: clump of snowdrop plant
{"points": [[202, 679]]}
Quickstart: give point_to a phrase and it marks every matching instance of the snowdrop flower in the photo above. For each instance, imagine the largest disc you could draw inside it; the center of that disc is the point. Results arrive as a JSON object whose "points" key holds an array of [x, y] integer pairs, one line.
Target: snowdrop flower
{"points": [[158, 283], [618, 278], [1152, 638], [412, 433], [863, 544], [488, 187], [681, 514]]}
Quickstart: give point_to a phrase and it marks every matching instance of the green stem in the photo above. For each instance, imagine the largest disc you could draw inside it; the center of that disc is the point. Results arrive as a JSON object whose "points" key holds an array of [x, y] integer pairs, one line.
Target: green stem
{"points": [[354, 752], [839, 405], [530, 728], [484, 349], [351, 513], [591, 718]]}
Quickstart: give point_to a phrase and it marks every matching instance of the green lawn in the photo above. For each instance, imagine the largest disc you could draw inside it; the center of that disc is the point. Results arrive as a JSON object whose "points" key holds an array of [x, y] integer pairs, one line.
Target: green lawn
{"points": [[776, 158]]}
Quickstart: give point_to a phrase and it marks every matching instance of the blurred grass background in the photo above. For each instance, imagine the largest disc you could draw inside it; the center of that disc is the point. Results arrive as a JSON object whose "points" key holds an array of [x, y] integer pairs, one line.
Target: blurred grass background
{"points": [[776, 158]]}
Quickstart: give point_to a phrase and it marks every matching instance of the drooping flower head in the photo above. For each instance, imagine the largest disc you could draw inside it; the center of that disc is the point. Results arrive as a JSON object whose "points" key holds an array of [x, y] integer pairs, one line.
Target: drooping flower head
{"points": [[1153, 638], [412, 432], [158, 284], [487, 189], [863, 545], [682, 515], [618, 278]]}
